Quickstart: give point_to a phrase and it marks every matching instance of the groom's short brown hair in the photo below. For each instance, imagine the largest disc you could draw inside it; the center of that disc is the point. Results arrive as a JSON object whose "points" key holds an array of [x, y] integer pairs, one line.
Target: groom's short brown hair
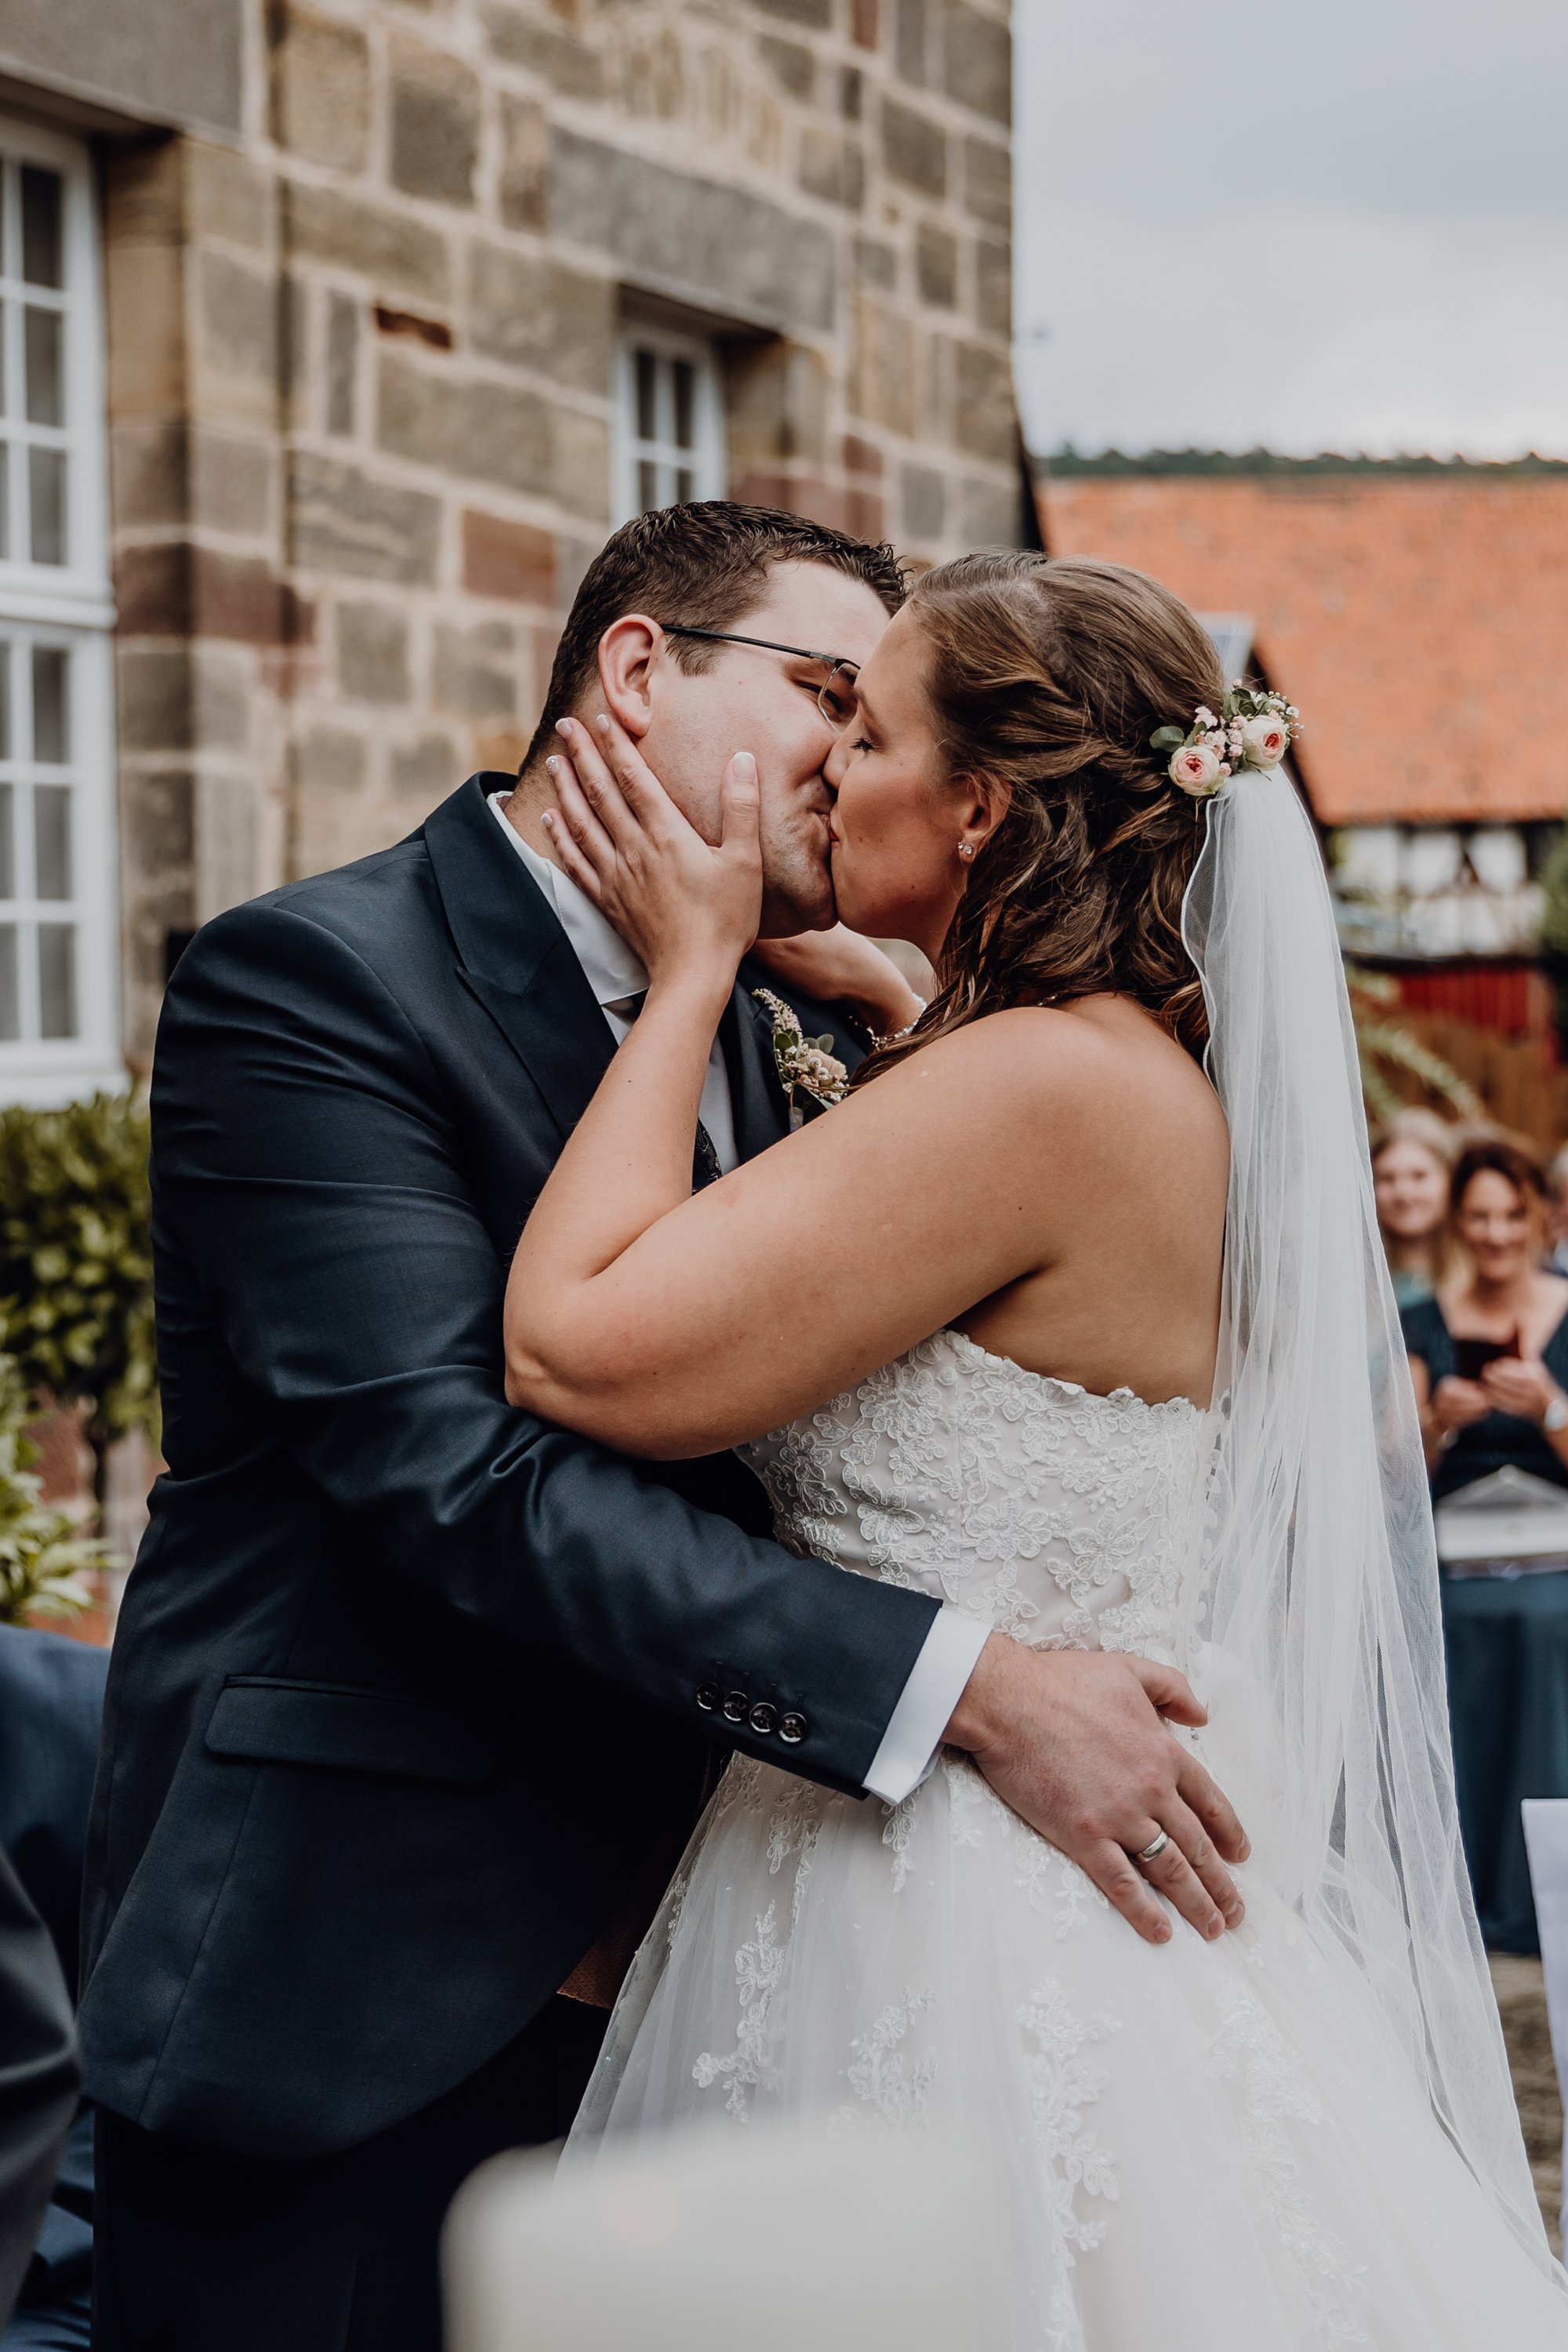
{"points": [[704, 565]]}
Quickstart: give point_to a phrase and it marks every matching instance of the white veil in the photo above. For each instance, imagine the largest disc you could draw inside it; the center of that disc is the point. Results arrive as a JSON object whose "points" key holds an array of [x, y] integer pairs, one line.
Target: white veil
{"points": [[1316, 1638]]}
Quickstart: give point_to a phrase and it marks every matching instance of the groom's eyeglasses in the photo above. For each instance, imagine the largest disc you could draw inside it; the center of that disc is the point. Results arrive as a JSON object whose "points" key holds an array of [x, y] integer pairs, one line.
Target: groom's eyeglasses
{"points": [[834, 696]]}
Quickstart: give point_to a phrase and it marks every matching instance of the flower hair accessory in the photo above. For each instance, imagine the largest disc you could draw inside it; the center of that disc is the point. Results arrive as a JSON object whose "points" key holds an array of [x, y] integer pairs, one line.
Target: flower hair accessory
{"points": [[809, 1072], [1253, 730]]}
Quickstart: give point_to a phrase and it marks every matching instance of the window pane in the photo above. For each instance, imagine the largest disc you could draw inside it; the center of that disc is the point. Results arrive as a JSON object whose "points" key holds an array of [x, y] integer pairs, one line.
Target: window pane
{"points": [[4, 697], [10, 1020], [56, 979], [47, 492], [685, 402], [682, 488], [7, 839], [51, 718], [648, 396], [4, 499], [43, 246], [5, 316], [46, 385], [648, 486], [52, 839]]}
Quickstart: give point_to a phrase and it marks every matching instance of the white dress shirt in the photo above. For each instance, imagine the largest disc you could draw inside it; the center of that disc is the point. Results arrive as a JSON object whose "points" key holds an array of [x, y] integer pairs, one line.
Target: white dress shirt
{"points": [[952, 1649]]}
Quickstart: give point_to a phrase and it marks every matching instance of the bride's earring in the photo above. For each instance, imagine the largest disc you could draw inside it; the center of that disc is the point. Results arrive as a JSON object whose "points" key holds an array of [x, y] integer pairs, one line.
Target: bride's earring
{"points": [[966, 849]]}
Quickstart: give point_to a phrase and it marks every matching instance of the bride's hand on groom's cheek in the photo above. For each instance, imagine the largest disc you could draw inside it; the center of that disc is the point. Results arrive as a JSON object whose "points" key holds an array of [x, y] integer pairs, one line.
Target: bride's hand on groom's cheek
{"points": [[680, 902], [1076, 1742]]}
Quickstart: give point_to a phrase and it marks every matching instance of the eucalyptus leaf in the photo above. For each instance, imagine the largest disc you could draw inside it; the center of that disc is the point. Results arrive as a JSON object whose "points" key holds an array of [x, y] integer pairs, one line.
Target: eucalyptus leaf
{"points": [[1167, 738]]}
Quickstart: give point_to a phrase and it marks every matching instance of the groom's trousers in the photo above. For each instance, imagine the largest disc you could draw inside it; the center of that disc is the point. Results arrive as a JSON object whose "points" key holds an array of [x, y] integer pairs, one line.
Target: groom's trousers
{"points": [[199, 2250]]}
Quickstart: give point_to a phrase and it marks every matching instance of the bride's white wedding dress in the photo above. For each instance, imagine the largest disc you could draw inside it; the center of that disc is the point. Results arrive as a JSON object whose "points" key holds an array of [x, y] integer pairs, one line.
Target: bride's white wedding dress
{"points": [[1204, 2147]]}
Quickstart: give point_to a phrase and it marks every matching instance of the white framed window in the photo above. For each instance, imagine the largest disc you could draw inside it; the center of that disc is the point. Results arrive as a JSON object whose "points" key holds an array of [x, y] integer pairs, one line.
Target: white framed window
{"points": [[58, 1020], [669, 422]]}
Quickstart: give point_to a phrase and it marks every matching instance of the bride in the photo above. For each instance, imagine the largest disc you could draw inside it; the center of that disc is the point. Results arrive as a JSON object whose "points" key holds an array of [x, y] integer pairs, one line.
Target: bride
{"points": [[1061, 1322]]}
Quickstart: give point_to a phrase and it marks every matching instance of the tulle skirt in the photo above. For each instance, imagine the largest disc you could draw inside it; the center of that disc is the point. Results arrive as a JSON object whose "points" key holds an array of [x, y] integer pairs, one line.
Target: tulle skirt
{"points": [[1201, 2148]]}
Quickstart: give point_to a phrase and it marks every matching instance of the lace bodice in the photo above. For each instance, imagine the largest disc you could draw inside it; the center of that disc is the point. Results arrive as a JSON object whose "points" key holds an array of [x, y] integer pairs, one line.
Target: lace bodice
{"points": [[1064, 1518]]}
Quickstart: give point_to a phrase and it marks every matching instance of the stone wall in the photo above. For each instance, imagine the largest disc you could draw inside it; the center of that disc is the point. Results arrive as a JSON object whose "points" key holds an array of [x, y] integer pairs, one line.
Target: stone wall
{"points": [[360, 375]]}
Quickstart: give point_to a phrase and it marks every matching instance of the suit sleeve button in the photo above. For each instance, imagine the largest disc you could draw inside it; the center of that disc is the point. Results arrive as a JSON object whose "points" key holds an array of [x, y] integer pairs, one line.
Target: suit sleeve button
{"points": [[707, 1696], [793, 1729], [735, 1706], [764, 1718]]}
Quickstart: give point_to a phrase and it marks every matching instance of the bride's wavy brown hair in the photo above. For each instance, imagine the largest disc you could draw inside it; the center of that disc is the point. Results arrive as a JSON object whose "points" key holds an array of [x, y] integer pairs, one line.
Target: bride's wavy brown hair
{"points": [[1049, 675]]}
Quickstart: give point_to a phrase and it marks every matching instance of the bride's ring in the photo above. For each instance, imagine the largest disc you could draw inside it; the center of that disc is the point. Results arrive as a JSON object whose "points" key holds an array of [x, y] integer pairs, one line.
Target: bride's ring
{"points": [[1154, 1849]]}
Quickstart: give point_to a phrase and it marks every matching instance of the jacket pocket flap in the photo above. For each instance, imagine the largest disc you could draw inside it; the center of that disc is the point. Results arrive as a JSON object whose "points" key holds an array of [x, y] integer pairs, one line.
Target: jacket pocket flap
{"points": [[271, 1720]]}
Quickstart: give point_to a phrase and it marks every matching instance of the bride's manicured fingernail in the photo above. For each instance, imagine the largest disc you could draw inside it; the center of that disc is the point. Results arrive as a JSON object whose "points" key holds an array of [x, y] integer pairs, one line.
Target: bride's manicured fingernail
{"points": [[564, 727], [552, 764], [1236, 1915], [548, 820], [602, 723]]}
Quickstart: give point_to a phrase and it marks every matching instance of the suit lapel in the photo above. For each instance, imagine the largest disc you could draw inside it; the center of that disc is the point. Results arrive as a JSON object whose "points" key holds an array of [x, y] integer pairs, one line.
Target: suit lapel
{"points": [[513, 956]]}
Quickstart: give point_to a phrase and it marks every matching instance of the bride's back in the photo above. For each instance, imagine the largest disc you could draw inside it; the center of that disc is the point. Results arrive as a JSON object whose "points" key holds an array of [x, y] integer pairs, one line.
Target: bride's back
{"points": [[1131, 1202]]}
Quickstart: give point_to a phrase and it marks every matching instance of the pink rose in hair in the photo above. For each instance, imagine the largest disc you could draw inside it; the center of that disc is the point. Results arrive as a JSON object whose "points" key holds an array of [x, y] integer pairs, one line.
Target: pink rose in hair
{"points": [[1266, 741], [1195, 767]]}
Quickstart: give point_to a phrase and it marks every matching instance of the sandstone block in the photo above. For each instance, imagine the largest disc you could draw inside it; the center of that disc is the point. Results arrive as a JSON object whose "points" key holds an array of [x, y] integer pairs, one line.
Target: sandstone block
{"points": [[146, 287], [923, 497], [936, 265], [330, 760], [535, 312], [977, 61], [226, 862], [833, 166], [791, 65], [343, 363], [988, 182], [373, 653], [144, 191], [507, 559], [174, 589], [882, 386], [525, 162], [160, 830], [435, 124], [777, 406], [861, 457], [817, 14], [153, 699], [320, 89], [238, 309], [518, 38], [234, 482], [914, 148], [987, 418], [222, 694], [399, 255], [426, 771], [910, 41], [876, 264], [720, 246], [227, 195], [864, 23], [347, 520], [149, 472], [994, 285], [851, 93], [488, 432], [476, 670], [990, 513], [580, 462]]}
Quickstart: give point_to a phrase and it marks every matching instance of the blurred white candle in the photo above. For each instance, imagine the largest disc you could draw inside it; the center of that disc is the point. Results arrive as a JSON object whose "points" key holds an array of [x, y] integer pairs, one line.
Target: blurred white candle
{"points": [[779, 2239]]}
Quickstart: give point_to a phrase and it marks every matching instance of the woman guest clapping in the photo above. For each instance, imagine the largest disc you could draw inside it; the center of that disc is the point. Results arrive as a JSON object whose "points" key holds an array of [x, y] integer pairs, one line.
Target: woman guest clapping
{"points": [[1490, 1358], [1412, 1158]]}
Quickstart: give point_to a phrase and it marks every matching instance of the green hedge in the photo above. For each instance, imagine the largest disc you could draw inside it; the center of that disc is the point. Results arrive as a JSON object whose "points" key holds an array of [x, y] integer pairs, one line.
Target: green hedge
{"points": [[76, 1258], [45, 1560]]}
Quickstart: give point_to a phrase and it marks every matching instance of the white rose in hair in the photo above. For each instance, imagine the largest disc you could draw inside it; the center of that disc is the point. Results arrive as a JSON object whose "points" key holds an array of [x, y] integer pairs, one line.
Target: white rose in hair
{"points": [[1266, 741], [1195, 767]]}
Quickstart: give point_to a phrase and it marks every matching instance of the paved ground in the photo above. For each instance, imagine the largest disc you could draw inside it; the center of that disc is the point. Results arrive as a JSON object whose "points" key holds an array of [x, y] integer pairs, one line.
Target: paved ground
{"points": [[1522, 2000]]}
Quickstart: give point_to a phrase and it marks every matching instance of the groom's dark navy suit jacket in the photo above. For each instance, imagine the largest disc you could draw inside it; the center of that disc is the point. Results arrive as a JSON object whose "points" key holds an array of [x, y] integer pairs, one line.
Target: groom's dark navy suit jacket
{"points": [[406, 1687]]}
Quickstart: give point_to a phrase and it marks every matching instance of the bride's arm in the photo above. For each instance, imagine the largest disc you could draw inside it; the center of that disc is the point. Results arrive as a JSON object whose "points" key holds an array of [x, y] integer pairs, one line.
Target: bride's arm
{"points": [[669, 1324]]}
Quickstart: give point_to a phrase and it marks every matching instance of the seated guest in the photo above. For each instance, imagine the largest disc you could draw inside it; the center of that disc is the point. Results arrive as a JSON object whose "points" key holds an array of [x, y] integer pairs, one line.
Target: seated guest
{"points": [[1488, 1355], [51, 1697], [1411, 1159]]}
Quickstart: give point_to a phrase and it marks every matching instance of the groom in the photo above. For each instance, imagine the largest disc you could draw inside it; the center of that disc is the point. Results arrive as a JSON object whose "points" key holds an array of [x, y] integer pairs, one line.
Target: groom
{"points": [[413, 1698]]}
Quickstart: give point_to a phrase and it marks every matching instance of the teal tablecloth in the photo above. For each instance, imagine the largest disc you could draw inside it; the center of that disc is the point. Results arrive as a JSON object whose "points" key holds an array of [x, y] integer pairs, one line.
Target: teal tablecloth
{"points": [[1507, 1641]]}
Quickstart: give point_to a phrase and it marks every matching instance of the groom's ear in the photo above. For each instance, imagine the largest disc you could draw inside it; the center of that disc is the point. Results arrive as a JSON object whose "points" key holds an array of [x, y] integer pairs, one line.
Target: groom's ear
{"points": [[627, 652]]}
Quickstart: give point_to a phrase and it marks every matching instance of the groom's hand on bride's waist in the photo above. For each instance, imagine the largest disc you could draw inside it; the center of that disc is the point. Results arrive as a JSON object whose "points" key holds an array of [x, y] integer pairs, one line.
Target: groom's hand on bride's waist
{"points": [[1076, 1741]]}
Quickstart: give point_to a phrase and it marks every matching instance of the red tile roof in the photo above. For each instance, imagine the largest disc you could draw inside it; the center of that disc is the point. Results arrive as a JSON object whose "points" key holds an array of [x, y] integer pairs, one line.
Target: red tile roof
{"points": [[1420, 622]]}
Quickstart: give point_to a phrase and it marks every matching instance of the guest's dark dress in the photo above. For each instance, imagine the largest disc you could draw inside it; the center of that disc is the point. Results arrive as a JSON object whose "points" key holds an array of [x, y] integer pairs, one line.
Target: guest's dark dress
{"points": [[1507, 1642]]}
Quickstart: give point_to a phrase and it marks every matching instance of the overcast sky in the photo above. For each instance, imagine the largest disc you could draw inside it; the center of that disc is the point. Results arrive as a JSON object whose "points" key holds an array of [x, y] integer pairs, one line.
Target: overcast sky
{"points": [[1313, 223]]}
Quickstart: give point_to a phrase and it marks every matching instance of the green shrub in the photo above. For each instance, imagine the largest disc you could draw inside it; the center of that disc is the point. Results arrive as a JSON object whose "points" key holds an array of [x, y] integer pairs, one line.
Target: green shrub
{"points": [[76, 1258], [45, 1560]]}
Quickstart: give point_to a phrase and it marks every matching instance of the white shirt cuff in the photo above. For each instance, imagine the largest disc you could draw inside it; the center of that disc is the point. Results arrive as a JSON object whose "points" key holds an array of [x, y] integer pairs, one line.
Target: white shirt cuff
{"points": [[949, 1656]]}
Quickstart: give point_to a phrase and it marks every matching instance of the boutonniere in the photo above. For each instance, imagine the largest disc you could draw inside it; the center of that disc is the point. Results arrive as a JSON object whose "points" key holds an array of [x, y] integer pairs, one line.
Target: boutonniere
{"points": [[809, 1072]]}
